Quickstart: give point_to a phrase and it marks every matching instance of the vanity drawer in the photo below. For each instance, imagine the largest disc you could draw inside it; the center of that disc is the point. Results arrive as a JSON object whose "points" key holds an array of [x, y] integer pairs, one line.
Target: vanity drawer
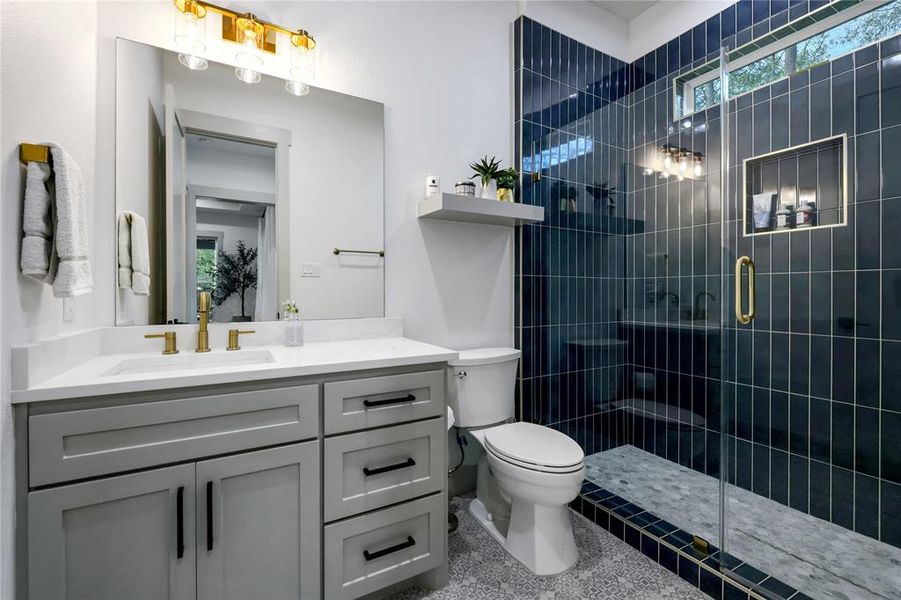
{"points": [[96, 441], [372, 551], [377, 401], [372, 469]]}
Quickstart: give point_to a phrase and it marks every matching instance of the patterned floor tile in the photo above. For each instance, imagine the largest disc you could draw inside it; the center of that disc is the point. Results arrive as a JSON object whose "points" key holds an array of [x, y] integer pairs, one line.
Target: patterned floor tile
{"points": [[608, 569]]}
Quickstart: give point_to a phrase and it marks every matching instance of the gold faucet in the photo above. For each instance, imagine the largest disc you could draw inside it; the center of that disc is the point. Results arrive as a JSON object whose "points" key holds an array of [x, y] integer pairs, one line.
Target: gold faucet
{"points": [[169, 337], [203, 309]]}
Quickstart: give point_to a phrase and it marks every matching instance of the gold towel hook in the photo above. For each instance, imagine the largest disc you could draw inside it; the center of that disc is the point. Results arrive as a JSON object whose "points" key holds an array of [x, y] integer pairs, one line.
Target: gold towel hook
{"points": [[34, 153]]}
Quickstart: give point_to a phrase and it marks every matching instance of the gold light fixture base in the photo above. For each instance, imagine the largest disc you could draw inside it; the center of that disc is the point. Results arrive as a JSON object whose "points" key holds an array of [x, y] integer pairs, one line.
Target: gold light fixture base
{"points": [[234, 24]]}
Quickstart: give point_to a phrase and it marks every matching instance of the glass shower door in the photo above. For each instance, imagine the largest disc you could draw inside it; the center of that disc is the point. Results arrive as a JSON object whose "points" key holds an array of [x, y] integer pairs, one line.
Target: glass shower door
{"points": [[806, 497]]}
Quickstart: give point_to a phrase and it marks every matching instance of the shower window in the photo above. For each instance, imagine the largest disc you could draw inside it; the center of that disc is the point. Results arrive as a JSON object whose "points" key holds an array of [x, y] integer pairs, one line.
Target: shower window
{"points": [[796, 50]]}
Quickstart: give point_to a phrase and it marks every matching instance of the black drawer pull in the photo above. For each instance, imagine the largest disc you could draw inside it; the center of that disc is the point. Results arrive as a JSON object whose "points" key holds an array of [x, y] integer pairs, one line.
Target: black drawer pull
{"points": [[396, 548], [401, 465], [407, 398], [209, 516], [180, 522]]}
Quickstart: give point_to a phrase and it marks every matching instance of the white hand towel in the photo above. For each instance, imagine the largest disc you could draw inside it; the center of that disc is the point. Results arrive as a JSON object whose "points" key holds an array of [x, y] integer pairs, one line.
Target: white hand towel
{"points": [[124, 250], [140, 256], [37, 224], [73, 275]]}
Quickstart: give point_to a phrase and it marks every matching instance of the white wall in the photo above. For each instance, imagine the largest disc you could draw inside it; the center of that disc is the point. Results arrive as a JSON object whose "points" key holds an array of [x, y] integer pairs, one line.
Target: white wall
{"points": [[666, 20]]}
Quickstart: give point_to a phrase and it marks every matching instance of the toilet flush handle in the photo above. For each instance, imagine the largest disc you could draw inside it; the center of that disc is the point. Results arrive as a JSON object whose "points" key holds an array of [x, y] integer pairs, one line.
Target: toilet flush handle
{"points": [[460, 374]]}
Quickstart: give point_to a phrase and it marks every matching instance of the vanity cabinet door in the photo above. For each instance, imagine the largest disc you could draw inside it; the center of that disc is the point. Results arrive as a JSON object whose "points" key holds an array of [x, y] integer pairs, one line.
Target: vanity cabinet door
{"points": [[258, 527], [119, 537]]}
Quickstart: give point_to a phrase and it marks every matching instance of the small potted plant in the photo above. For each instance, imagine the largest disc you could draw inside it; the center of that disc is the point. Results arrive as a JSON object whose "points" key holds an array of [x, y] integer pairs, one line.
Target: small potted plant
{"points": [[506, 183], [293, 324], [485, 170]]}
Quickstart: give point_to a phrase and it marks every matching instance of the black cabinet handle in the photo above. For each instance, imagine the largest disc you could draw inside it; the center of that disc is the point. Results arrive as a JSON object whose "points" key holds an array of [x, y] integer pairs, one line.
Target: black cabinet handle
{"points": [[397, 548], [180, 522], [209, 516], [403, 399], [402, 465]]}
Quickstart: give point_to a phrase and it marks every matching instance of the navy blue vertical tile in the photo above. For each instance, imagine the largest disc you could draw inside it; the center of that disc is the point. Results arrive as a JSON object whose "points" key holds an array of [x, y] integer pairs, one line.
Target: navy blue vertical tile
{"points": [[699, 42], [891, 449], [891, 516], [760, 11], [685, 49], [891, 376], [743, 15], [891, 150], [866, 505], [820, 484], [867, 91], [843, 497], [843, 435], [713, 33]]}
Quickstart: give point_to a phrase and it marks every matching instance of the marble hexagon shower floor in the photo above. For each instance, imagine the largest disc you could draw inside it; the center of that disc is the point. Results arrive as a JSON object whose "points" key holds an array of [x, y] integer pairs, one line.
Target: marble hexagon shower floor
{"points": [[608, 568]]}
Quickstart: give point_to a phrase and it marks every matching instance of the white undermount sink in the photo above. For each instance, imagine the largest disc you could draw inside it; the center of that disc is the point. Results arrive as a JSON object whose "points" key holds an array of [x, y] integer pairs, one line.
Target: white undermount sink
{"points": [[189, 360]]}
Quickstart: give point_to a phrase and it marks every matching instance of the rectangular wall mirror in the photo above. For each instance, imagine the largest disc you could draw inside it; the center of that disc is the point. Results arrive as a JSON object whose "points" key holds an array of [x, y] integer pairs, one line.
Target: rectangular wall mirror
{"points": [[246, 191]]}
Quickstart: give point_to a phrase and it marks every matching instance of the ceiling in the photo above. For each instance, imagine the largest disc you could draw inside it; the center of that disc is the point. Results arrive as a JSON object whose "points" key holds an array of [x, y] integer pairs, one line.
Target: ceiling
{"points": [[625, 9]]}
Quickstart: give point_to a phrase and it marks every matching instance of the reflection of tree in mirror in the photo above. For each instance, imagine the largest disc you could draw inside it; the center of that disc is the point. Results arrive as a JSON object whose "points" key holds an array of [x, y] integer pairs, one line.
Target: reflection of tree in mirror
{"points": [[235, 274]]}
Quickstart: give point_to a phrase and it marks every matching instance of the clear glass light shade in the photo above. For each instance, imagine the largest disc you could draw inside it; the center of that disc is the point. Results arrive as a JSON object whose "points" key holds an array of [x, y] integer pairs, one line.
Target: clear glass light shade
{"points": [[193, 62], [247, 75], [698, 171], [297, 88], [190, 32], [248, 55], [302, 64], [667, 162], [683, 165]]}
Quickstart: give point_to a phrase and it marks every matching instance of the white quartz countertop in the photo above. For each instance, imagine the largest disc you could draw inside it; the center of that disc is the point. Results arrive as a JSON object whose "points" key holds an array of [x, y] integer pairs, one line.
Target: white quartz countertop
{"points": [[97, 377]]}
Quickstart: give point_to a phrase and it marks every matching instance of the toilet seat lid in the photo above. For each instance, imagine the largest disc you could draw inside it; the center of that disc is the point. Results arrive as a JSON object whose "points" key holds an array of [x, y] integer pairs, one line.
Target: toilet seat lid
{"points": [[535, 445]]}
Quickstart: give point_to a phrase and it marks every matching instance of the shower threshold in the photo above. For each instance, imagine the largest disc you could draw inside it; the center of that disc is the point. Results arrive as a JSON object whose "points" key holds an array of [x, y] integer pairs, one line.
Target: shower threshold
{"points": [[818, 558]]}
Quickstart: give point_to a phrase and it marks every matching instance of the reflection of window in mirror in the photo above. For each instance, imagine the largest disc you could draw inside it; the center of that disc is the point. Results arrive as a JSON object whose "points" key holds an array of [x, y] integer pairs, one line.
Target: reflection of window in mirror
{"points": [[207, 249]]}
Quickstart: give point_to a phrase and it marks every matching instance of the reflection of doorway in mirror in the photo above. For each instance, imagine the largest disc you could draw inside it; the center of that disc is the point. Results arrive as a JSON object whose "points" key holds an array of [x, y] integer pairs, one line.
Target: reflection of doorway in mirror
{"points": [[230, 227]]}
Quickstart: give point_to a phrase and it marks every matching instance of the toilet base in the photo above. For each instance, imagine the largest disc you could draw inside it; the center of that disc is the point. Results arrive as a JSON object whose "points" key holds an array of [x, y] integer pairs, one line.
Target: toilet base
{"points": [[540, 537]]}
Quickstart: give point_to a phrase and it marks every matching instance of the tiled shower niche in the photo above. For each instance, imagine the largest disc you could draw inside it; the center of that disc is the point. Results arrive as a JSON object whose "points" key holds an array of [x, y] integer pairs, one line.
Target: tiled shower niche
{"points": [[802, 187]]}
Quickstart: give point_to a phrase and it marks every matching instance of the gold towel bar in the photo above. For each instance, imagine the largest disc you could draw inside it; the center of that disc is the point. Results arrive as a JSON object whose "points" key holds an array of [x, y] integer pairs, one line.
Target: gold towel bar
{"points": [[347, 251], [34, 153]]}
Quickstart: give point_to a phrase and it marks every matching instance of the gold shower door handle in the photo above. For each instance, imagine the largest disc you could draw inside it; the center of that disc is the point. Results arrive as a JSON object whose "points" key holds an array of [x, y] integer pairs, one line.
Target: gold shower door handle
{"points": [[745, 318]]}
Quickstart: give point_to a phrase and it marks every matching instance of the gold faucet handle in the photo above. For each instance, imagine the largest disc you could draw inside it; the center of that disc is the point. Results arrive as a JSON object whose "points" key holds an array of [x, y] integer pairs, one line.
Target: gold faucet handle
{"points": [[233, 338], [203, 302], [171, 346]]}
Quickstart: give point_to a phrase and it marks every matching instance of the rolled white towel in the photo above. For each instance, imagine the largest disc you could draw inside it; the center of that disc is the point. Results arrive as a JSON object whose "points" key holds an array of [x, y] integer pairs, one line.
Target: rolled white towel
{"points": [[140, 284], [37, 225], [140, 256], [124, 249], [73, 276]]}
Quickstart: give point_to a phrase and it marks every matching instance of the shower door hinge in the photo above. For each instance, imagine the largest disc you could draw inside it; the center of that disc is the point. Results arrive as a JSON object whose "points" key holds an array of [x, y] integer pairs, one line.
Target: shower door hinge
{"points": [[700, 544]]}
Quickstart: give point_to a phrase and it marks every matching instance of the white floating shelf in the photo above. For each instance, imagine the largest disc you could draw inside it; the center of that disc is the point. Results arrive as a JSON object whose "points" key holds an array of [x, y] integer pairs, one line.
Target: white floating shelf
{"points": [[451, 207]]}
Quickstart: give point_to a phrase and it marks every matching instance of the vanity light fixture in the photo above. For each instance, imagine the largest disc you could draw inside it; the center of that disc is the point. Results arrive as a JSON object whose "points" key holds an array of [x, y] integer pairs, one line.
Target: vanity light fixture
{"points": [[698, 168], [190, 31], [255, 37]]}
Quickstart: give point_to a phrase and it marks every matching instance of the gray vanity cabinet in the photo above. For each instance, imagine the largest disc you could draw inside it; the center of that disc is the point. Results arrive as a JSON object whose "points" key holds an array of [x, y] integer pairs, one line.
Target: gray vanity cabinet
{"points": [[239, 491], [129, 536], [258, 525]]}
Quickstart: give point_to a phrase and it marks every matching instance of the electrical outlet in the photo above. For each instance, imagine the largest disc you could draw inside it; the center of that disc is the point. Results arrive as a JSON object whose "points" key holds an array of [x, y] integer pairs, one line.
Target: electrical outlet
{"points": [[68, 310], [311, 270]]}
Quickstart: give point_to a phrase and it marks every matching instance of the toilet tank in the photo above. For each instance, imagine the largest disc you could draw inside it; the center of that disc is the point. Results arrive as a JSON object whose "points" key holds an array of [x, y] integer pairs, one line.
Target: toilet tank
{"points": [[481, 385]]}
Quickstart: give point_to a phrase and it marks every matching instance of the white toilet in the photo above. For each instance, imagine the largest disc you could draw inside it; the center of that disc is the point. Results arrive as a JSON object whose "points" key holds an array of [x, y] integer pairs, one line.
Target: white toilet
{"points": [[529, 474]]}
